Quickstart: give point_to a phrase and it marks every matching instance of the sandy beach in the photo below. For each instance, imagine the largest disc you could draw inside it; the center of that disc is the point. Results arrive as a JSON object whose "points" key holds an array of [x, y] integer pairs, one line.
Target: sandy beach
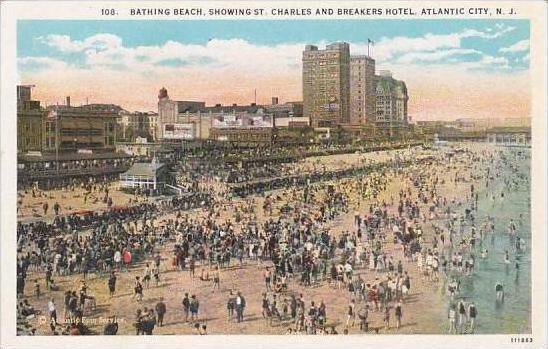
{"points": [[424, 310]]}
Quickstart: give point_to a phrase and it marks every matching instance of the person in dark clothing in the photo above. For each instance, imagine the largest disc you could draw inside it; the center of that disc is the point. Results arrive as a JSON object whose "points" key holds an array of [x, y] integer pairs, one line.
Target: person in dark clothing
{"points": [[160, 311], [112, 284], [194, 308], [111, 327], [186, 306], [149, 323], [240, 306], [398, 313]]}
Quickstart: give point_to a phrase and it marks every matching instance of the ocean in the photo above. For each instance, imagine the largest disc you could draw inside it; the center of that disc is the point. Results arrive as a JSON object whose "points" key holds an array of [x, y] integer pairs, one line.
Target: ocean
{"points": [[513, 315]]}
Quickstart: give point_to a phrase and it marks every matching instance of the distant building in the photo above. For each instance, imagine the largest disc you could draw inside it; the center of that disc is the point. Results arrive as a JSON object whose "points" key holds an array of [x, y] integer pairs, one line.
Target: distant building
{"points": [[362, 90], [53, 170], [391, 104], [29, 121], [285, 110], [189, 120], [136, 125], [483, 124], [510, 136], [147, 176], [87, 128], [292, 122], [326, 84], [168, 119], [248, 135]]}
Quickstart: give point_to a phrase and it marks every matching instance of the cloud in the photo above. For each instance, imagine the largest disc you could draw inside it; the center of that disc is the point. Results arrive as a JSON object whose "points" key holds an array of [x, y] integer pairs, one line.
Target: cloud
{"points": [[437, 69], [519, 46], [32, 64], [98, 42], [107, 51], [390, 48], [434, 56]]}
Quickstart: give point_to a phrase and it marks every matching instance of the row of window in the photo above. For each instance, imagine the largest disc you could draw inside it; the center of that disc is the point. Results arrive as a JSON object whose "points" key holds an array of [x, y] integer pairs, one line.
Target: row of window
{"points": [[78, 132]]}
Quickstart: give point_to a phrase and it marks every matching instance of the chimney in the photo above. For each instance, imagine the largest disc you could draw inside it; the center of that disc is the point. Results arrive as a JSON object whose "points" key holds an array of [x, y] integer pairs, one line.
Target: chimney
{"points": [[218, 104], [68, 101], [234, 104], [274, 100]]}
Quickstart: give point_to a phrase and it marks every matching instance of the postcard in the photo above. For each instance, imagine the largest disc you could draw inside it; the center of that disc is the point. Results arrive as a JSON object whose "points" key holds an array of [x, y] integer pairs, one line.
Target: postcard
{"points": [[215, 173]]}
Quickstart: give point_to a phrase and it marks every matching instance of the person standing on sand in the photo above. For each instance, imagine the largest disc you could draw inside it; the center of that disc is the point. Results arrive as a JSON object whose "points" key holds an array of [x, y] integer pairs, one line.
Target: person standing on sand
{"points": [[398, 313], [186, 306], [117, 259], [194, 308], [267, 278], [52, 311], [472, 313], [112, 284], [160, 311], [230, 305], [462, 315], [192, 267], [147, 276], [386, 318], [138, 290], [156, 275], [351, 313], [240, 306], [452, 319], [217, 278]]}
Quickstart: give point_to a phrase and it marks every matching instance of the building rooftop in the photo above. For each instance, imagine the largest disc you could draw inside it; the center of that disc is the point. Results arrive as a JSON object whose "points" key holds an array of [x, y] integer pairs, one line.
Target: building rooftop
{"points": [[146, 169], [88, 109], [72, 156], [509, 130], [391, 85]]}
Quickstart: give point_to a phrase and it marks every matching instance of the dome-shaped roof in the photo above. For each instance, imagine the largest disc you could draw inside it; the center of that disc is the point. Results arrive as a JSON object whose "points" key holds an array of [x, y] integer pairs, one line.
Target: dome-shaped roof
{"points": [[162, 93]]}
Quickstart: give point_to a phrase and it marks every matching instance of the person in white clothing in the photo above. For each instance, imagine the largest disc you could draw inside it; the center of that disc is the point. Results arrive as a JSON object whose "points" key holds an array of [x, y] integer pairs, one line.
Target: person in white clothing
{"points": [[52, 311]]}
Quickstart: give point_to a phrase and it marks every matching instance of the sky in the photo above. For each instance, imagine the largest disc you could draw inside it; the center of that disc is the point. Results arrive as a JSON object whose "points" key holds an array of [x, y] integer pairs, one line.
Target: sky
{"points": [[452, 68]]}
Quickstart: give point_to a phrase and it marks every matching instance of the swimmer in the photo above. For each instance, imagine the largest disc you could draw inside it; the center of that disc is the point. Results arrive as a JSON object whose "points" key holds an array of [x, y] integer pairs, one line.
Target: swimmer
{"points": [[499, 289]]}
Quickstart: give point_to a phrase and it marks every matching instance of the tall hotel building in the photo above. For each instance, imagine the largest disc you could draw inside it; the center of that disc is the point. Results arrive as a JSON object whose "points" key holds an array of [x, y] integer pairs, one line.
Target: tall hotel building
{"points": [[362, 90], [326, 84], [391, 106]]}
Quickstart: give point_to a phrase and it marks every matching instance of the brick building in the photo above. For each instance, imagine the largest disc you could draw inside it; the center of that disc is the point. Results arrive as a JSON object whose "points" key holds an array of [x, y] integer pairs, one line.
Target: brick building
{"points": [[326, 84]]}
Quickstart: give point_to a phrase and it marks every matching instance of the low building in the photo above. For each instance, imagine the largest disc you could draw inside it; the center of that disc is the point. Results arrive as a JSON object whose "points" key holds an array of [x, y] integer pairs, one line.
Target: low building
{"points": [[90, 128], [54, 170], [243, 135], [145, 176], [288, 109], [140, 148], [510, 136], [136, 125], [192, 120], [292, 122]]}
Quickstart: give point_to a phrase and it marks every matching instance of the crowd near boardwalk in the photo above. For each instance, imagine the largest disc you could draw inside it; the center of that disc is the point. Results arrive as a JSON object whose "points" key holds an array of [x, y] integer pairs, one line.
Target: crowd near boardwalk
{"points": [[384, 241]]}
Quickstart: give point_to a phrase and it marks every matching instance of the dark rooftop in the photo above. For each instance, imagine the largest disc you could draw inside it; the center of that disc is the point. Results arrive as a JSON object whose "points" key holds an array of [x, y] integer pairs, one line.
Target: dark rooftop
{"points": [[144, 169]]}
